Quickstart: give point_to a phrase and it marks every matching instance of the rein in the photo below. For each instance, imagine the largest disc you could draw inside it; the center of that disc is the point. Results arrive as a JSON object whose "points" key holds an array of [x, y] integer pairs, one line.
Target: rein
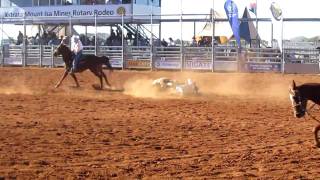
{"points": [[307, 111]]}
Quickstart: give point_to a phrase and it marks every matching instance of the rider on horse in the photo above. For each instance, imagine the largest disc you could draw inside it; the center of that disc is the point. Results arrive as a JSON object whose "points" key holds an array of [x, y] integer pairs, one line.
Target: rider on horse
{"points": [[76, 48]]}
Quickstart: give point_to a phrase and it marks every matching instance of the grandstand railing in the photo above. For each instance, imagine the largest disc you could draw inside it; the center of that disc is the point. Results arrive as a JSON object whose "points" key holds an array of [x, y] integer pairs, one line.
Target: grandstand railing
{"points": [[177, 58]]}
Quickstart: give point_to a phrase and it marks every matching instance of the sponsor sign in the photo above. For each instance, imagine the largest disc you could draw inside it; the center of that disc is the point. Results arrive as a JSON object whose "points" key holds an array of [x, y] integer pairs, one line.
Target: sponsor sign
{"points": [[167, 63], [13, 60], [262, 67], [116, 63], [62, 11], [138, 63], [198, 64]]}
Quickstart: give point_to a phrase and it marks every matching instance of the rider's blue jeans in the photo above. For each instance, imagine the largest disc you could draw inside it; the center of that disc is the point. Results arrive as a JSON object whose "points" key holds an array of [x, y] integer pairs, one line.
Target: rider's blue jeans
{"points": [[76, 61]]}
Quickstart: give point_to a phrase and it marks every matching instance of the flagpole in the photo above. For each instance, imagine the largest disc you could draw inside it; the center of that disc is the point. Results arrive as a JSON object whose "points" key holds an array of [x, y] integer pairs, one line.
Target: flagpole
{"points": [[257, 16], [212, 38], [258, 42], [282, 49], [181, 41]]}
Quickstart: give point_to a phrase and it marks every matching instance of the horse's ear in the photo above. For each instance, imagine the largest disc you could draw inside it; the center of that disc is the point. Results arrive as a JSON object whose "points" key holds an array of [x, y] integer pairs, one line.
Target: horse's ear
{"points": [[293, 85]]}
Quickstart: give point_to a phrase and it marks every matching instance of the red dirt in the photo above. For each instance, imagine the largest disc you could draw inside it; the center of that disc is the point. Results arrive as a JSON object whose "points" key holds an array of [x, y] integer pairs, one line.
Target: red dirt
{"points": [[241, 127]]}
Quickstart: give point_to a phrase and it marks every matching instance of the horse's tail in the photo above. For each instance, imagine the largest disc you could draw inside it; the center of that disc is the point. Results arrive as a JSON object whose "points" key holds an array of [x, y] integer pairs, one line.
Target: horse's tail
{"points": [[107, 62]]}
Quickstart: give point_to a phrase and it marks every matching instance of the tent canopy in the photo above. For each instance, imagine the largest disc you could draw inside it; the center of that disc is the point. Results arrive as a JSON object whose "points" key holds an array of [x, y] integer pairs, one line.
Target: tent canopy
{"points": [[247, 29]]}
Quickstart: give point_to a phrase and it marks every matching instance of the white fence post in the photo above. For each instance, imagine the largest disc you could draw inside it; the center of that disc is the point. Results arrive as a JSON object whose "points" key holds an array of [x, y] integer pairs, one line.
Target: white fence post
{"points": [[122, 41], [151, 38], [2, 58], [41, 55], [24, 45], [52, 58], [96, 37]]}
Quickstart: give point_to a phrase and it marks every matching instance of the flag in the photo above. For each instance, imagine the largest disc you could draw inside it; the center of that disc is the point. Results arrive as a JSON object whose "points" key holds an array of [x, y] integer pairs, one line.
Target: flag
{"points": [[253, 8], [232, 13], [276, 11], [247, 29], [277, 21]]}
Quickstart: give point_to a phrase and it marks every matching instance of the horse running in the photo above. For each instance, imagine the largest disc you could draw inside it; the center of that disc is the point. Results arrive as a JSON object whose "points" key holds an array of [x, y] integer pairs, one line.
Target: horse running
{"points": [[91, 62], [299, 96]]}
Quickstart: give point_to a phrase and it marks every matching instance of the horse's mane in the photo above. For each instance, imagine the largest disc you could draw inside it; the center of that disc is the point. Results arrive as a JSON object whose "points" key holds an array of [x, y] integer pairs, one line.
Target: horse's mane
{"points": [[310, 91], [66, 54], [65, 48]]}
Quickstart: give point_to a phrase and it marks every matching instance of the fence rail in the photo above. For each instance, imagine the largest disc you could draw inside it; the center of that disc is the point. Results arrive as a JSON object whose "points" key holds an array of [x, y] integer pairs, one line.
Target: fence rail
{"points": [[179, 58]]}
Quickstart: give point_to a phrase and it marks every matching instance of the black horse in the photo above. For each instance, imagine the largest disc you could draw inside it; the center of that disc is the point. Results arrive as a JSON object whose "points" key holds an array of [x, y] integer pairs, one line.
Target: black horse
{"points": [[299, 96], [91, 62]]}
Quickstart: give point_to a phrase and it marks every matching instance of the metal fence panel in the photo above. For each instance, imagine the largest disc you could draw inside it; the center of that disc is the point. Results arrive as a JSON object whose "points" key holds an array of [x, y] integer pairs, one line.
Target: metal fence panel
{"points": [[33, 55], [225, 58], [13, 55]]}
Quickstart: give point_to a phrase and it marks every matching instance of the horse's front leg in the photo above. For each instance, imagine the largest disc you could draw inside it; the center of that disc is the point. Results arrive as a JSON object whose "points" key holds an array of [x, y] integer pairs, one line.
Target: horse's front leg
{"points": [[75, 79], [101, 81], [316, 132], [106, 79], [62, 78]]}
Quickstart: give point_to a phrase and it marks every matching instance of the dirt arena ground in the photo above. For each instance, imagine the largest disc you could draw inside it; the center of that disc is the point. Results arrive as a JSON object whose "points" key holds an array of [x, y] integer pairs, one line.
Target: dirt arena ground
{"points": [[241, 127]]}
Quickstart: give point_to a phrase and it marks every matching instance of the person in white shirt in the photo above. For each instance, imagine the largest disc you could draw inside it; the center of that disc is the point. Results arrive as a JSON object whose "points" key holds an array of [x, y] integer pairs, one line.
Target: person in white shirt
{"points": [[76, 48]]}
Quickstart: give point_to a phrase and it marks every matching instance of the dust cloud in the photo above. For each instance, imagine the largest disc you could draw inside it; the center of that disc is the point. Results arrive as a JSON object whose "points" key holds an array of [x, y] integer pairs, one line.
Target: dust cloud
{"points": [[211, 84], [15, 87], [142, 88]]}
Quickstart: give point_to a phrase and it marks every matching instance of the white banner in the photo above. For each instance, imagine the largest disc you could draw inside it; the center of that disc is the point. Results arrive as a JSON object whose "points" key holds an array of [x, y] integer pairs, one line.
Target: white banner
{"points": [[116, 63], [277, 21], [201, 65], [62, 11], [167, 64]]}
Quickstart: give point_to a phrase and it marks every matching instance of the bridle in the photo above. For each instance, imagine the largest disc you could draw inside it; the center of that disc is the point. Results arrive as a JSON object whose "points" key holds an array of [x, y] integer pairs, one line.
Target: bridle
{"points": [[314, 118], [296, 94]]}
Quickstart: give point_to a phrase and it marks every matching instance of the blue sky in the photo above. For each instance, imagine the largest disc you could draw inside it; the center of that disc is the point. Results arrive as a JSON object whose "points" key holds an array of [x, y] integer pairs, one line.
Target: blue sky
{"points": [[290, 8]]}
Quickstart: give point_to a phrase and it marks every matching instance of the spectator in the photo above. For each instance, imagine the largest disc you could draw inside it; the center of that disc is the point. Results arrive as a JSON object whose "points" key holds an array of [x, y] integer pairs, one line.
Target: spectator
{"points": [[67, 2], [114, 2], [126, 1], [164, 43], [19, 38], [129, 36], [194, 42], [171, 42]]}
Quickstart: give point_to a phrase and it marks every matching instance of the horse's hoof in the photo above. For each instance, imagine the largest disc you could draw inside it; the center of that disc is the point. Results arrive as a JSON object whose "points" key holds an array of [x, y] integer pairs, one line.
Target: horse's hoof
{"points": [[96, 87]]}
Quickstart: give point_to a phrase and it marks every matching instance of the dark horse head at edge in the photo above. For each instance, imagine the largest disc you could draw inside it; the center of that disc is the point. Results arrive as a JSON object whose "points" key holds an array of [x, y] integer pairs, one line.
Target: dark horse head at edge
{"points": [[91, 62], [299, 96]]}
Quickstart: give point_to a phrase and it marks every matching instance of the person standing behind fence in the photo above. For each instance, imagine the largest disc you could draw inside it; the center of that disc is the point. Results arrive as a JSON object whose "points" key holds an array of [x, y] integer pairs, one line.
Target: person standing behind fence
{"points": [[76, 48], [19, 38], [171, 42]]}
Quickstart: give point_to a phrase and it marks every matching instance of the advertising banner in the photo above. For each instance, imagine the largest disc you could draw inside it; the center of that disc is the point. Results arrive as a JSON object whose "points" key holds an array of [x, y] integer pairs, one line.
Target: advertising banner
{"points": [[198, 64], [232, 13], [262, 67], [63, 11], [138, 64], [167, 63], [116, 63]]}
